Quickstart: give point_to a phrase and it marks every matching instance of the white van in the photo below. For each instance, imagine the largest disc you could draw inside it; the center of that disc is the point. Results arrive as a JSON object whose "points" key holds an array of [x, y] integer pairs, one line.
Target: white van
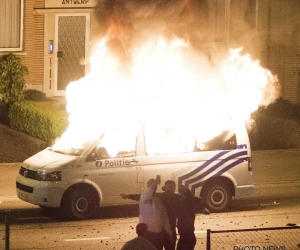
{"points": [[77, 181]]}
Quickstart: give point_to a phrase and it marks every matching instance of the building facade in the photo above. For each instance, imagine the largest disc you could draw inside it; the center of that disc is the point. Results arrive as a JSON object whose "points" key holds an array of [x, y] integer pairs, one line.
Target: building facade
{"points": [[54, 38]]}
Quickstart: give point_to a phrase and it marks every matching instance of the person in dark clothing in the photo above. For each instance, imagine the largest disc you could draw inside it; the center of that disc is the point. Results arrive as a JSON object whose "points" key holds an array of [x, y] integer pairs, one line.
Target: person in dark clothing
{"points": [[170, 200], [186, 219]]}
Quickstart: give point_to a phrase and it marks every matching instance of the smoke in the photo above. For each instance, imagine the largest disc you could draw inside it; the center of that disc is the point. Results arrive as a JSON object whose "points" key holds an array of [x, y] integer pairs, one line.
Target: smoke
{"points": [[129, 23]]}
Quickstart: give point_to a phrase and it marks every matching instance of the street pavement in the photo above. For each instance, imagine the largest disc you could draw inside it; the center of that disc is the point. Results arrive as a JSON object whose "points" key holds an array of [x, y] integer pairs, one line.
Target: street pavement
{"points": [[8, 180]]}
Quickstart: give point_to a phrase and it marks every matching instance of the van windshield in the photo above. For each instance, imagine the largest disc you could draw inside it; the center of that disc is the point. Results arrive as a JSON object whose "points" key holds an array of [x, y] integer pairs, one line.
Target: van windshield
{"points": [[68, 151], [69, 147]]}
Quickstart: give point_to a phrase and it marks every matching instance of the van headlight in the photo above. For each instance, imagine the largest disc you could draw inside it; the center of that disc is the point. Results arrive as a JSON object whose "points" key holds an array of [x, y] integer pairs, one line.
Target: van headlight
{"points": [[48, 176]]}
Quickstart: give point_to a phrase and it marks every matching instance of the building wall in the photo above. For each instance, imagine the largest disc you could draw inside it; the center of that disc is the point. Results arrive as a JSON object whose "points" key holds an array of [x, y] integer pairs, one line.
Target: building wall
{"points": [[275, 41], [28, 40], [39, 22], [284, 45], [33, 36], [263, 29]]}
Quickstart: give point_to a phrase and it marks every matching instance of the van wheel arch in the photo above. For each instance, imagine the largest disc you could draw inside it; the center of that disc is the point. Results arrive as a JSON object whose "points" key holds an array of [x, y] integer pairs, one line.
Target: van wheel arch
{"points": [[217, 194], [79, 201]]}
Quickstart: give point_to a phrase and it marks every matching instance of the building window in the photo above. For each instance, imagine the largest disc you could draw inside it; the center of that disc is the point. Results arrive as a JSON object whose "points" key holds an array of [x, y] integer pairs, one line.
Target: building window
{"points": [[11, 25]]}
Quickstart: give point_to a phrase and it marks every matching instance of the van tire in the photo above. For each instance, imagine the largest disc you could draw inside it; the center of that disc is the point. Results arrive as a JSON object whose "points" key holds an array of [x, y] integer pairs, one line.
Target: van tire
{"points": [[78, 204], [217, 197]]}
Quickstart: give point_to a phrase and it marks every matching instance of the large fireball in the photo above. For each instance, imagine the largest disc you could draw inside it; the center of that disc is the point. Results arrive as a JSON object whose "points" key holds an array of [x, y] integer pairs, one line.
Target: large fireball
{"points": [[163, 85]]}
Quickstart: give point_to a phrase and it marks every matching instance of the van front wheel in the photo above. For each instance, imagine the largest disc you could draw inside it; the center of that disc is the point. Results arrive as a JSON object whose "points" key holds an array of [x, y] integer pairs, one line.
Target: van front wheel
{"points": [[78, 204], [217, 197]]}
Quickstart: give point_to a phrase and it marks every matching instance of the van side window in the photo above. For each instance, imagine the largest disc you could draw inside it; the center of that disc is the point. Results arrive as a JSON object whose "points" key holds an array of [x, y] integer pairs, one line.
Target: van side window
{"points": [[225, 141], [101, 153]]}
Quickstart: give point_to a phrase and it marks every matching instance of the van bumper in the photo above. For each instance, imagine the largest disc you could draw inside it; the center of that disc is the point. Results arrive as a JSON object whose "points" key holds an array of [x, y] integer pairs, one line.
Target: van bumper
{"points": [[42, 196], [244, 190]]}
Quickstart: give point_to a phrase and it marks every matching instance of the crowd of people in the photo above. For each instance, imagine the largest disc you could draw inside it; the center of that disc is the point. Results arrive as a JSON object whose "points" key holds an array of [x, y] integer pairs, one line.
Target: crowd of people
{"points": [[160, 214]]}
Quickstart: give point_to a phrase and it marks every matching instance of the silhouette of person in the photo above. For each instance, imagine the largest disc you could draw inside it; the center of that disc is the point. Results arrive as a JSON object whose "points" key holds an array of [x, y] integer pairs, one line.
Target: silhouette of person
{"points": [[140, 242], [186, 219], [170, 200]]}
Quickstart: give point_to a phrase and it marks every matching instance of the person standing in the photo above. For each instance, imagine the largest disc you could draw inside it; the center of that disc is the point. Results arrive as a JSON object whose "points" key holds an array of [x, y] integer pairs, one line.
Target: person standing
{"points": [[186, 219], [154, 215], [170, 200], [140, 242]]}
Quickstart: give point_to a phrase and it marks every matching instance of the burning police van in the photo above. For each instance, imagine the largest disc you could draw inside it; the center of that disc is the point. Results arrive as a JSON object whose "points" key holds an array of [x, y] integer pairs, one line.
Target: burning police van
{"points": [[79, 179]]}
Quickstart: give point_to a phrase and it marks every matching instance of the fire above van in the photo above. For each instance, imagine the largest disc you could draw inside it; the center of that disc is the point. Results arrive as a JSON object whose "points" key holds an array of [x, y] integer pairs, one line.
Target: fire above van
{"points": [[79, 180]]}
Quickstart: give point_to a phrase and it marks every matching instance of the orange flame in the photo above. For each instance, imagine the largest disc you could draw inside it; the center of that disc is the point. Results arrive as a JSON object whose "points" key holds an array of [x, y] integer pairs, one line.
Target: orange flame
{"points": [[170, 90]]}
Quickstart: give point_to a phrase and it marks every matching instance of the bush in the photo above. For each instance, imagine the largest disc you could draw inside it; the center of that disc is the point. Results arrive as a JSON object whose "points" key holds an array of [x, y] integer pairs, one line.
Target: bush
{"points": [[282, 109], [11, 83], [38, 120], [11, 78], [34, 95], [276, 126]]}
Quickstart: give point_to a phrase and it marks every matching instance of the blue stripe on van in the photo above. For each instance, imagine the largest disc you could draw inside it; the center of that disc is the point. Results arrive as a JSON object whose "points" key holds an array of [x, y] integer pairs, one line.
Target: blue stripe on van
{"points": [[217, 165], [233, 164], [204, 165], [214, 167]]}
